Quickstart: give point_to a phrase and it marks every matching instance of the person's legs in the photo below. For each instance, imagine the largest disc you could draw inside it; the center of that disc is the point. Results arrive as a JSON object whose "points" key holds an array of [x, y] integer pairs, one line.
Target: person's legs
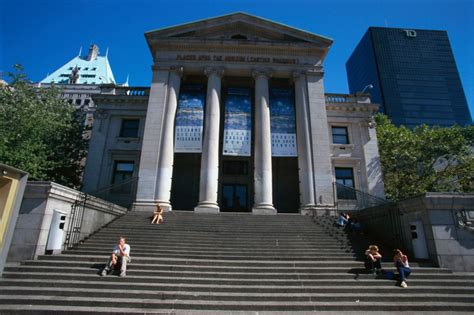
{"points": [[369, 264], [404, 273], [377, 264], [123, 267], [107, 268]]}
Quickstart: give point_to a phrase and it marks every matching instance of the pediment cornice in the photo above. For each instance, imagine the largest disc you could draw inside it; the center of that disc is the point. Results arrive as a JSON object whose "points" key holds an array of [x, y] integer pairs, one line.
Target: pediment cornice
{"points": [[237, 29]]}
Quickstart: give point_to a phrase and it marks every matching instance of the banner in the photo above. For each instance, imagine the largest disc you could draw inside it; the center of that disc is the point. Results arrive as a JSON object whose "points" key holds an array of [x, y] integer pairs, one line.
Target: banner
{"points": [[237, 122], [283, 122], [189, 120]]}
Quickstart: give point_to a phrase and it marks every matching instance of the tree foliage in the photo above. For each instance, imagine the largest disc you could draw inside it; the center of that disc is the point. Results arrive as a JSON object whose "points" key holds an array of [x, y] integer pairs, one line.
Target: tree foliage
{"points": [[425, 159], [40, 132]]}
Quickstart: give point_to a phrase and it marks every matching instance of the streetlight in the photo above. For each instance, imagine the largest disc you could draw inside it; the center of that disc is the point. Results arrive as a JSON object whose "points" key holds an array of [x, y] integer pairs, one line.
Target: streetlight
{"points": [[368, 86]]}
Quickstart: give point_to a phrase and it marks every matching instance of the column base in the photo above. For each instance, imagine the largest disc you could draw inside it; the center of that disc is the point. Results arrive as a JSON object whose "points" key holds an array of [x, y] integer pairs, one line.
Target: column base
{"points": [[150, 205], [207, 207], [199, 209], [264, 209], [319, 210]]}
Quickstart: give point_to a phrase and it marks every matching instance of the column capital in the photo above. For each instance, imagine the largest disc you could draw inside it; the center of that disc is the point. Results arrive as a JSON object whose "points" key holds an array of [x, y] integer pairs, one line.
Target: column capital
{"points": [[217, 70], [178, 69], [267, 73], [298, 74]]}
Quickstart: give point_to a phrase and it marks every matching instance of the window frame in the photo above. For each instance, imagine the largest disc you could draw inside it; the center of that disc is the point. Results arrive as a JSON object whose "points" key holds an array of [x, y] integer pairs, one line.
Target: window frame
{"points": [[346, 135], [123, 130]]}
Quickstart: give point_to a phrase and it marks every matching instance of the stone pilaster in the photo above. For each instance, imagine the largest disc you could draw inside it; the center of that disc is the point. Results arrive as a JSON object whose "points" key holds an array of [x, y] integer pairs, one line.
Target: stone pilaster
{"points": [[209, 179], [305, 161], [321, 154], [166, 155], [148, 171], [263, 200]]}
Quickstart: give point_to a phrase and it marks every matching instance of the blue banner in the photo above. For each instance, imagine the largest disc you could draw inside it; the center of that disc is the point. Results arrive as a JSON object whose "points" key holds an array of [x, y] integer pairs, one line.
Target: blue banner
{"points": [[189, 120], [237, 122], [283, 122]]}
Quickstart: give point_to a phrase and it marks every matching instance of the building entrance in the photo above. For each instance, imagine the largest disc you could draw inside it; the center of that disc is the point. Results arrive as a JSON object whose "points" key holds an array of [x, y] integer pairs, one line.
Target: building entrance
{"points": [[236, 189], [234, 198]]}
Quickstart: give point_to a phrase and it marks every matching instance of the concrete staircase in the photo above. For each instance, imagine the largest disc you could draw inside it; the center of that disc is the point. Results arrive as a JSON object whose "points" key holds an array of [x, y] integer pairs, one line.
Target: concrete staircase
{"points": [[239, 263]]}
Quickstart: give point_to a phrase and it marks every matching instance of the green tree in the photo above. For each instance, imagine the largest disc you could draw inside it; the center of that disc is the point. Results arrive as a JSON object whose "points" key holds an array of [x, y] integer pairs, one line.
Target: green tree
{"points": [[40, 132], [425, 159]]}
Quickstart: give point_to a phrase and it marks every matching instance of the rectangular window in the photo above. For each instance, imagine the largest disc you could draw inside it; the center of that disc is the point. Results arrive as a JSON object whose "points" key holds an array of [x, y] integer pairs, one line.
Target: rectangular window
{"points": [[129, 128], [235, 167], [340, 135], [123, 171], [345, 176]]}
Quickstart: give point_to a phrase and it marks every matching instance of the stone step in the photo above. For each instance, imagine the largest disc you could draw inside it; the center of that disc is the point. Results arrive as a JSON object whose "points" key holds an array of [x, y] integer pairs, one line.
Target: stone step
{"points": [[239, 274], [223, 280], [165, 249], [151, 304], [225, 296], [93, 243], [210, 255], [240, 263], [327, 268], [113, 282], [217, 262]]}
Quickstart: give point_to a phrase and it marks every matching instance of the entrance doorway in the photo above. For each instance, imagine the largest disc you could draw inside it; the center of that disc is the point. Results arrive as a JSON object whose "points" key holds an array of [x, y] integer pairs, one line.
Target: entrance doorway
{"points": [[234, 198], [236, 188]]}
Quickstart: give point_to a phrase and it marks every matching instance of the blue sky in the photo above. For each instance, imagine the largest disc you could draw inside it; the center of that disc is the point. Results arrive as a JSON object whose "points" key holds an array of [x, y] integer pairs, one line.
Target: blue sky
{"points": [[42, 35]]}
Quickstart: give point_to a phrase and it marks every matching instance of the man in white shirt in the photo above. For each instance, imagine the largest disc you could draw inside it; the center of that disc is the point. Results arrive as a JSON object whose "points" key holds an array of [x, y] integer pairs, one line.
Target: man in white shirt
{"points": [[120, 254]]}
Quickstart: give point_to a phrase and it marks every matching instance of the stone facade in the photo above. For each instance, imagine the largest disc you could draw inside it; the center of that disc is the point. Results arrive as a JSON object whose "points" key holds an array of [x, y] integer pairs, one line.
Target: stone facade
{"points": [[435, 226], [41, 200], [244, 51]]}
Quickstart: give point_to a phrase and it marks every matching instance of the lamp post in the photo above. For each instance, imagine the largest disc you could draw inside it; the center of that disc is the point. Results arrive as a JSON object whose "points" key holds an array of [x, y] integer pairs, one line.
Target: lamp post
{"points": [[368, 86]]}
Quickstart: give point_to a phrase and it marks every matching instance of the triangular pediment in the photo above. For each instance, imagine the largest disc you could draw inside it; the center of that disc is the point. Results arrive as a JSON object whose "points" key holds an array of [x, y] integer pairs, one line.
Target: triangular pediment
{"points": [[239, 27]]}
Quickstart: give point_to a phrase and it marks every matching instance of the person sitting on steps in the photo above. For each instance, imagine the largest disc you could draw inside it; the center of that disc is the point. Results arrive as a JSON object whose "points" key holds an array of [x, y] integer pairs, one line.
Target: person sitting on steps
{"points": [[342, 219], [373, 259], [401, 263], [120, 255], [157, 215]]}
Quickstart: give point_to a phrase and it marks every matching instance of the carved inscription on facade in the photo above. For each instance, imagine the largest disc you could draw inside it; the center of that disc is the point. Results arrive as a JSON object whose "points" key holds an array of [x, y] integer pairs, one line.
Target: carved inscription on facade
{"points": [[249, 59]]}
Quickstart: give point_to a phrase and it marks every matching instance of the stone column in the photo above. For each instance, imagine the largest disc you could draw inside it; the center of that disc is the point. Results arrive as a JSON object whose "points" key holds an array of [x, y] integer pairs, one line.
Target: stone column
{"points": [[209, 179], [321, 153], [166, 155], [303, 137], [148, 171], [263, 201]]}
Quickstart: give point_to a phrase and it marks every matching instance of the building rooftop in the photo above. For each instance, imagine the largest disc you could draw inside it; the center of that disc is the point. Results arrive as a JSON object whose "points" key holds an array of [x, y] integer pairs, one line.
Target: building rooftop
{"points": [[90, 69]]}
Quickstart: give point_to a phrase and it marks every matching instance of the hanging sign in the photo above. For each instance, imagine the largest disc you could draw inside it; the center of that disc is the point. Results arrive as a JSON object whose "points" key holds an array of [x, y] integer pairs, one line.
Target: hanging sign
{"points": [[237, 122], [189, 120], [283, 122]]}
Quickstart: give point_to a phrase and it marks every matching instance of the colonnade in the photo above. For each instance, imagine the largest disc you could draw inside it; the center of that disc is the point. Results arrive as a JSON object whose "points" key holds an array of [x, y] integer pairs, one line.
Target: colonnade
{"points": [[209, 173]]}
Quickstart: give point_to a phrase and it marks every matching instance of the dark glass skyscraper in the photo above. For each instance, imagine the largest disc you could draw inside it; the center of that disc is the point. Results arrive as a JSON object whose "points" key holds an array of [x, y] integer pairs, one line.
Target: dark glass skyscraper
{"points": [[414, 76]]}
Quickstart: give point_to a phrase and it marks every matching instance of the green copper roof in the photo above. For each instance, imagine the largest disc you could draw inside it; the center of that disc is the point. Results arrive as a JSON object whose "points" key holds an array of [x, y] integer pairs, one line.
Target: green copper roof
{"points": [[94, 71]]}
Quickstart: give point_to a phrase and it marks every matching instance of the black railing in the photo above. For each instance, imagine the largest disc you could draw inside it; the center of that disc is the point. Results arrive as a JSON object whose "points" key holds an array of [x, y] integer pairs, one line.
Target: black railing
{"points": [[350, 199], [122, 194]]}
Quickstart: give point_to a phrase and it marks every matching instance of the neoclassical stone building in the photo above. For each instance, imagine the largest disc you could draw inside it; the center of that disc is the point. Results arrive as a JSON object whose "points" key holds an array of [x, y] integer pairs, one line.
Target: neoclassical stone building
{"points": [[236, 119]]}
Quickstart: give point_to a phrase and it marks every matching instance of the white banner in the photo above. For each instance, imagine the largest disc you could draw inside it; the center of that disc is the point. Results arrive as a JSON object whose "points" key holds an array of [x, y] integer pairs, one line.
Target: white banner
{"points": [[283, 122], [237, 122], [189, 120]]}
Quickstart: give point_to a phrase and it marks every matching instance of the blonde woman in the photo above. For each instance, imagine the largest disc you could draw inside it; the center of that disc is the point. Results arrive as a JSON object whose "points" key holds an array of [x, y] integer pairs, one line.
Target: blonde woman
{"points": [[157, 215], [373, 259]]}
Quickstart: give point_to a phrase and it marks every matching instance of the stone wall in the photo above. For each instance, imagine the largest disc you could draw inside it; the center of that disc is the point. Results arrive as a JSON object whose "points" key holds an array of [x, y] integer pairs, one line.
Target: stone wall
{"points": [[40, 201], [439, 223]]}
